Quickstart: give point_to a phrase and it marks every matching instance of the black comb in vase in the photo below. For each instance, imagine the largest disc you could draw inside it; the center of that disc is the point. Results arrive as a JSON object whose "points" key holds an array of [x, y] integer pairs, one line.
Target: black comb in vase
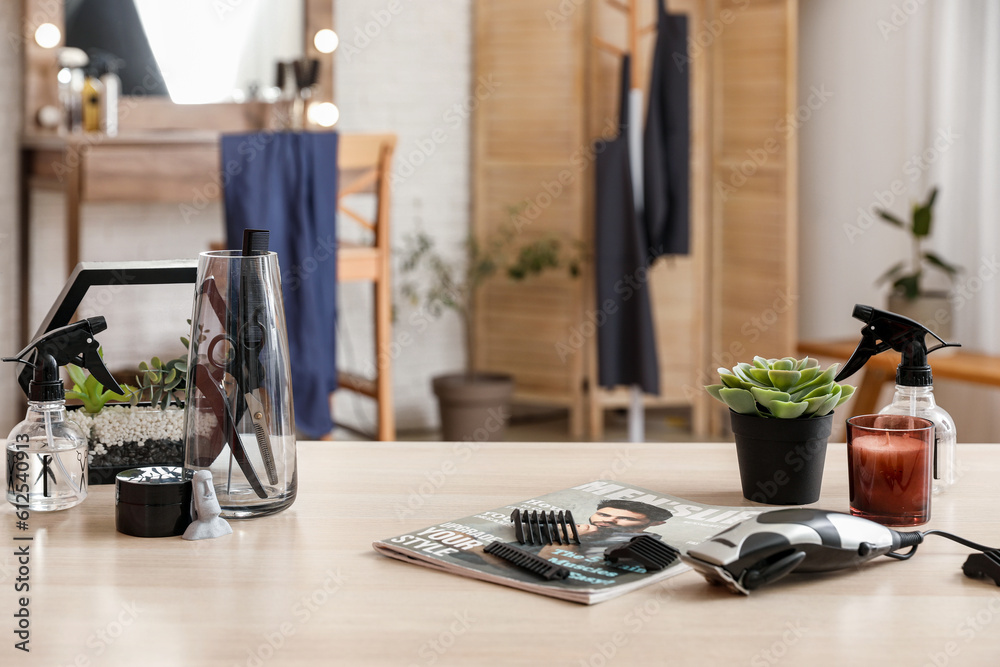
{"points": [[526, 560], [544, 527], [649, 551]]}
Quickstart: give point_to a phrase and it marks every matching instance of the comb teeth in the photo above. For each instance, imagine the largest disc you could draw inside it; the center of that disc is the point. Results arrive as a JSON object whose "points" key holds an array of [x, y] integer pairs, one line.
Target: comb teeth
{"points": [[545, 528], [527, 560], [652, 553]]}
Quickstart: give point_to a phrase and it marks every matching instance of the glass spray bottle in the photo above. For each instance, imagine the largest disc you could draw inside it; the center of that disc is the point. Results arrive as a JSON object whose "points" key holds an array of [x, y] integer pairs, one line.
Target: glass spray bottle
{"points": [[914, 382], [47, 452]]}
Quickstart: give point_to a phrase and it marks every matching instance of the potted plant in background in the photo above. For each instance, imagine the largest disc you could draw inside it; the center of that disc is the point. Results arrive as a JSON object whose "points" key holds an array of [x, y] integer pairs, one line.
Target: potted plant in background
{"points": [[473, 404], [931, 308], [781, 411]]}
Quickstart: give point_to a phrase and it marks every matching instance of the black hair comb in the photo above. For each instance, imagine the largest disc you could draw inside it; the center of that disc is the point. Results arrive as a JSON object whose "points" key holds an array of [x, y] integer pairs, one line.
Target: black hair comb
{"points": [[544, 528], [649, 551], [527, 560]]}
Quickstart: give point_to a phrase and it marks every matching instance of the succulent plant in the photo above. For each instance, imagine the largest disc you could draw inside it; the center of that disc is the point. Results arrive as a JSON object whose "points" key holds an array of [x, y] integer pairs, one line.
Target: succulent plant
{"points": [[89, 391], [162, 382], [786, 388]]}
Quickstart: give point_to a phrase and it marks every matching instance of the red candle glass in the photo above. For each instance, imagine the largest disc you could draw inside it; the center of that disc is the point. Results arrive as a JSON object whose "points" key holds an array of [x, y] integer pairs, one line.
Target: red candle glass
{"points": [[889, 460]]}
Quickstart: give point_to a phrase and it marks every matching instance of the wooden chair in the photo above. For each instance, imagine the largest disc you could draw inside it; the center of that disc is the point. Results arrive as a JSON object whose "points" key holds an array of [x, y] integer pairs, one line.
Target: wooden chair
{"points": [[364, 162]]}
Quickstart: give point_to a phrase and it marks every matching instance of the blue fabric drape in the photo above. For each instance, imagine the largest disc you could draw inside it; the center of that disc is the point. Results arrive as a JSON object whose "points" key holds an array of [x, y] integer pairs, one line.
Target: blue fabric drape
{"points": [[286, 182]]}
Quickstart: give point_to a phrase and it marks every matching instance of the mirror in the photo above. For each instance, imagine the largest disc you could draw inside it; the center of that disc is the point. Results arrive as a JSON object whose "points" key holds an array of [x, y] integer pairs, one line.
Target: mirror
{"points": [[196, 52]]}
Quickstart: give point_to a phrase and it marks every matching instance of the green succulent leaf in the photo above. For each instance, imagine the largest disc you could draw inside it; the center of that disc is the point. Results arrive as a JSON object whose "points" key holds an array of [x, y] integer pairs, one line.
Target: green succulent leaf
{"points": [[91, 386], [742, 371], [846, 391], [731, 380], [823, 378], [714, 389], [830, 403], [768, 396], [808, 375], [760, 362], [814, 404], [760, 376], [740, 400], [784, 379], [812, 363], [822, 390], [788, 410], [782, 365], [76, 375]]}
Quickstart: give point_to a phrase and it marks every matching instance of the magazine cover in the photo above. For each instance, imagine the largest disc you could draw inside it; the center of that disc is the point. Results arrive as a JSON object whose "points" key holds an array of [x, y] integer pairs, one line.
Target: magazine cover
{"points": [[606, 514]]}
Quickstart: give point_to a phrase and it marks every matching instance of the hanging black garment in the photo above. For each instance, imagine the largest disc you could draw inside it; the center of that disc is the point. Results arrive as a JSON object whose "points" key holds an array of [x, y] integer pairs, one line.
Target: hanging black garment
{"points": [[667, 140], [626, 344]]}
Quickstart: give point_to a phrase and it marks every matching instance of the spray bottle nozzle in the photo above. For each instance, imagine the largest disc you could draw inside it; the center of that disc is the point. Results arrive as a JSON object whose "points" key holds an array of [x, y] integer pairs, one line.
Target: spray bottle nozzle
{"points": [[862, 312], [884, 331], [71, 344]]}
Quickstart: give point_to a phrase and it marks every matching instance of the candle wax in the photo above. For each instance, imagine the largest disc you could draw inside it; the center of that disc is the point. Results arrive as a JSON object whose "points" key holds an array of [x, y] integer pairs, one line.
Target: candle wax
{"points": [[890, 476]]}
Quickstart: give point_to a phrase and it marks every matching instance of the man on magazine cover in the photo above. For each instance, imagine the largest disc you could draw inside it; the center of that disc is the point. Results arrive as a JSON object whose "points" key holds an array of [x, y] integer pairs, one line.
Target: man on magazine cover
{"points": [[616, 522]]}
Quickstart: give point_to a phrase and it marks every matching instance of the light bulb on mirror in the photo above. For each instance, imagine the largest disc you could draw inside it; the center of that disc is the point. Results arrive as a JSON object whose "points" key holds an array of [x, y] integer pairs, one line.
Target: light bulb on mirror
{"points": [[48, 36], [324, 114], [326, 41]]}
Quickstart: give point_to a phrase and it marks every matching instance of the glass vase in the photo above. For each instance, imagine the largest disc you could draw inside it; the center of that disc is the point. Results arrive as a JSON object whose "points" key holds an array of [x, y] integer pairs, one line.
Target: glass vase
{"points": [[239, 420]]}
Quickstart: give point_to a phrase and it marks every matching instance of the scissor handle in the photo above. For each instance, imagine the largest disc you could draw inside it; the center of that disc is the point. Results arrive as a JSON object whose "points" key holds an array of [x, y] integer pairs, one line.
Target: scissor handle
{"points": [[230, 356], [252, 333]]}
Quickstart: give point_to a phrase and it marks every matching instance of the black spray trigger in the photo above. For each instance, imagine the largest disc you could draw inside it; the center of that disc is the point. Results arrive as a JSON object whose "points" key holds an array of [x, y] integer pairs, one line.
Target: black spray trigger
{"points": [[883, 331], [73, 343], [92, 362]]}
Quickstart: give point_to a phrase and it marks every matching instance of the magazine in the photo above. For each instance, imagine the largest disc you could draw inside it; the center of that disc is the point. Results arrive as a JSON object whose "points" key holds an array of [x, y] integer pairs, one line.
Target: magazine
{"points": [[606, 514]]}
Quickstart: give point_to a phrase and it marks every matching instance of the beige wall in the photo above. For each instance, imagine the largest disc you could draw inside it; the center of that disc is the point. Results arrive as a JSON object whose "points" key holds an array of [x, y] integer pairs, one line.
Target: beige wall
{"points": [[876, 63], [10, 122]]}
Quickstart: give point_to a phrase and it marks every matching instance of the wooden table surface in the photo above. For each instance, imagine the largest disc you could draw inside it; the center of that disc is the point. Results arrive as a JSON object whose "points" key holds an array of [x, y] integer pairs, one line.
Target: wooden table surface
{"points": [[304, 587]]}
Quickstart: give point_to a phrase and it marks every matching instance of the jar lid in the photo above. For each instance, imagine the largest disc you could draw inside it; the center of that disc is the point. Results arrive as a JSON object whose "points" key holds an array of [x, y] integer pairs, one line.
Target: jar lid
{"points": [[153, 485]]}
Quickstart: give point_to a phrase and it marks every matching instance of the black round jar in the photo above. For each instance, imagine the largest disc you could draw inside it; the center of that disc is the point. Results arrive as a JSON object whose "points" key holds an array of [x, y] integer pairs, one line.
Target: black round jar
{"points": [[152, 502]]}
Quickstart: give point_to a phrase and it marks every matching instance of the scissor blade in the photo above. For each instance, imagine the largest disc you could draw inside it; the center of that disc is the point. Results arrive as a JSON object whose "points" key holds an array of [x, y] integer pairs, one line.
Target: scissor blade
{"points": [[216, 398], [259, 419]]}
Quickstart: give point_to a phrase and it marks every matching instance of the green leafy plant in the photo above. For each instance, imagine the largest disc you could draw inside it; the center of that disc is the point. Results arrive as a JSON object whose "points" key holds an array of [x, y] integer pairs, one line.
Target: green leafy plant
{"points": [[438, 282], [162, 382], [92, 393], [786, 388], [906, 276]]}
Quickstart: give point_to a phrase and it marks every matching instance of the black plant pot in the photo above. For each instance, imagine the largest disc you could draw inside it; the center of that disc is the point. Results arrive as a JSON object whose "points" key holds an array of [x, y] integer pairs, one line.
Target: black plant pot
{"points": [[781, 460]]}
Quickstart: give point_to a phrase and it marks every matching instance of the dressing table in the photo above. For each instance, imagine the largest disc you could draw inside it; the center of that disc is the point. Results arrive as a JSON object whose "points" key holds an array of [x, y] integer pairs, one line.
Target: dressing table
{"points": [[164, 152], [169, 153]]}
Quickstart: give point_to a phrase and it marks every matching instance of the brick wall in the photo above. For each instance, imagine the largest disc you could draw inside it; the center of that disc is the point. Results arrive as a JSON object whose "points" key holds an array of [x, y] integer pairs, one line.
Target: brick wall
{"points": [[401, 66]]}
